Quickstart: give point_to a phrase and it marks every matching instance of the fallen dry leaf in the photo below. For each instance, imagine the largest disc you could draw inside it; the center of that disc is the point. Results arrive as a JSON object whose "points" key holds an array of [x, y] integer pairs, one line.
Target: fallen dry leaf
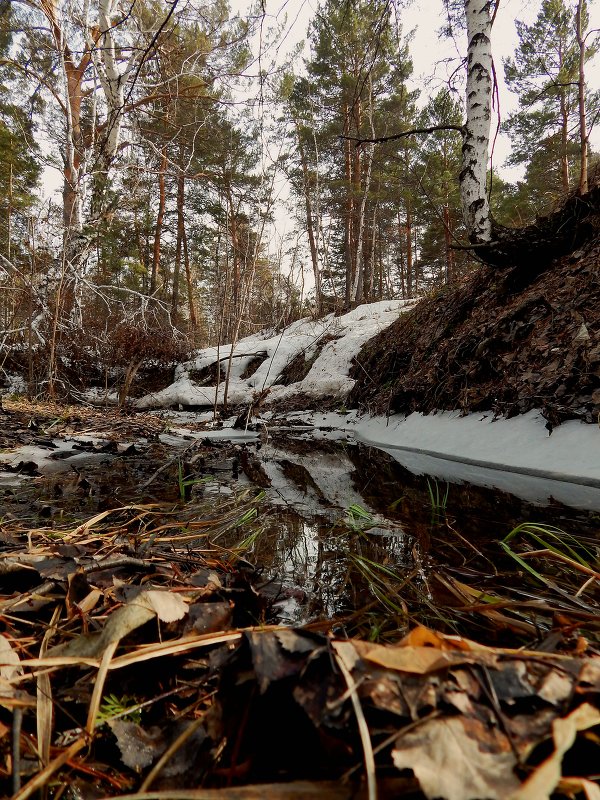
{"points": [[418, 660], [139, 747], [541, 784], [447, 760], [168, 606], [420, 636], [10, 667]]}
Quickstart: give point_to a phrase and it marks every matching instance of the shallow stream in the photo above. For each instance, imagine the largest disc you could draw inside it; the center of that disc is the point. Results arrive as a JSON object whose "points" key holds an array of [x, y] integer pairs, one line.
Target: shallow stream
{"points": [[346, 531]]}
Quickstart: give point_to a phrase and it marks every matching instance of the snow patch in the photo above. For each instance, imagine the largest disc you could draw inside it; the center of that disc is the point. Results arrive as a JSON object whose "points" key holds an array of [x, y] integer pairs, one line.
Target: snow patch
{"points": [[328, 375], [517, 455]]}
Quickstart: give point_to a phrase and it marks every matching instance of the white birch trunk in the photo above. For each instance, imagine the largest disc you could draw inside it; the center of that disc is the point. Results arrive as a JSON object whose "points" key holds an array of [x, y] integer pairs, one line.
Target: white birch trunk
{"points": [[112, 79], [473, 184]]}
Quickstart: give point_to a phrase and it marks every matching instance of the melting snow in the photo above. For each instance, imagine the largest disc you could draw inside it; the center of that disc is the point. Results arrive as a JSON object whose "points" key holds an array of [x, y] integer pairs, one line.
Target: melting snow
{"points": [[517, 455], [332, 341]]}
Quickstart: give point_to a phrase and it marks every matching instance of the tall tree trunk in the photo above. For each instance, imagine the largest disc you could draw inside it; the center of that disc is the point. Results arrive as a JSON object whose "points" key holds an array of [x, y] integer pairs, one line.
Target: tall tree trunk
{"points": [[583, 136], [176, 272], [143, 251], [564, 142], [357, 293], [159, 221], [358, 288], [189, 283], [476, 135], [180, 233], [370, 262], [448, 245], [9, 204], [357, 212], [310, 226], [410, 283], [236, 273], [401, 261], [348, 221]]}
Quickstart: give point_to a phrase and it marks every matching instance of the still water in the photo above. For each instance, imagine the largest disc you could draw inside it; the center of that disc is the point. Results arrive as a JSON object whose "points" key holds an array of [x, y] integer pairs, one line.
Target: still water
{"points": [[344, 528]]}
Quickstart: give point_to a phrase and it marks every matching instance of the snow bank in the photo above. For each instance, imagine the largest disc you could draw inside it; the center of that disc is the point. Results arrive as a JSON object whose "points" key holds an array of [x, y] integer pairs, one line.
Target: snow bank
{"points": [[332, 342], [517, 455]]}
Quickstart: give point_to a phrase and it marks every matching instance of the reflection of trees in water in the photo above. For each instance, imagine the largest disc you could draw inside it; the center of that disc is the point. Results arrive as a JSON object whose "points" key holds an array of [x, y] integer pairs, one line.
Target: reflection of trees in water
{"points": [[319, 553]]}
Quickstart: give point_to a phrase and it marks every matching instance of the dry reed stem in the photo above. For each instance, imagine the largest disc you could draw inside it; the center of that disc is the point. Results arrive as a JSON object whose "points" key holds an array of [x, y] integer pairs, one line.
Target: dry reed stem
{"points": [[99, 686], [44, 710], [561, 557], [363, 728]]}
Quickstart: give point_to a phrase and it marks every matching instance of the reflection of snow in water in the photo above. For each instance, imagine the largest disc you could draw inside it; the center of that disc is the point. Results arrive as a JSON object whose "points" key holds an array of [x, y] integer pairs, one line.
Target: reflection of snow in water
{"points": [[329, 472], [304, 547]]}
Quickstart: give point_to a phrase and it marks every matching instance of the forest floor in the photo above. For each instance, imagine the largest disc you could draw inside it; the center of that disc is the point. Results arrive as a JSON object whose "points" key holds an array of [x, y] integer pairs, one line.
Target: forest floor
{"points": [[142, 651], [142, 655]]}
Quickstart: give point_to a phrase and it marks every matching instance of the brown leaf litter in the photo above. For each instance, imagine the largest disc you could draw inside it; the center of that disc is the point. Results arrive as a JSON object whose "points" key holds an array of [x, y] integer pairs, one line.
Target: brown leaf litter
{"points": [[139, 658], [125, 676]]}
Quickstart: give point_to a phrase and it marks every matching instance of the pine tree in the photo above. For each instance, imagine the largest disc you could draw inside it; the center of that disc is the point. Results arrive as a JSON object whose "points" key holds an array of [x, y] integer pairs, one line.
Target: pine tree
{"points": [[544, 73], [19, 152], [439, 193], [356, 67]]}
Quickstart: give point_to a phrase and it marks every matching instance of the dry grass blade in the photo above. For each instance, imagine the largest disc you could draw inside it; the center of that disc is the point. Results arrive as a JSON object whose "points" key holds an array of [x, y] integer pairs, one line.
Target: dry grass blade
{"points": [[53, 662], [467, 595], [143, 653], [93, 521], [565, 560], [44, 698], [148, 652], [363, 728], [99, 686], [297, 790]]}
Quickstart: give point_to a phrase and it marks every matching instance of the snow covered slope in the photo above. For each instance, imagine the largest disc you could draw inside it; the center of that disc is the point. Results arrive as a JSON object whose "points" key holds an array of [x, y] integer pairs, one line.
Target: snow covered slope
{"points": [[330, 344]]}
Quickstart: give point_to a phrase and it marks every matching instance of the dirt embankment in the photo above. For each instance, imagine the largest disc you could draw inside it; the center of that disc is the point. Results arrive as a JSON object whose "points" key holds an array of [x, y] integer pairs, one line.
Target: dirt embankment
{"points": [[509, 340]]}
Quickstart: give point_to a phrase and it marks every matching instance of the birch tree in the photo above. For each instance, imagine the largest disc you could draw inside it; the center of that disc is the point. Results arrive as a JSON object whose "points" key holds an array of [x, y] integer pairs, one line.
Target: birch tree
{"points": [[476, 135], [96, 49]]}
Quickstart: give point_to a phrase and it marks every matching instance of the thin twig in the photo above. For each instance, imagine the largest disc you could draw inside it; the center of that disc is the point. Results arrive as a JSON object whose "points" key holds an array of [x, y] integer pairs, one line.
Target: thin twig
{"points": [[16, 748]]}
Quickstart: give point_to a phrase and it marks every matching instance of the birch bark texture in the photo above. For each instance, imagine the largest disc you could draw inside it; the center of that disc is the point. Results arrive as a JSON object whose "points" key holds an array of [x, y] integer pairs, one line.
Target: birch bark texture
{"points": [[476, 136]]}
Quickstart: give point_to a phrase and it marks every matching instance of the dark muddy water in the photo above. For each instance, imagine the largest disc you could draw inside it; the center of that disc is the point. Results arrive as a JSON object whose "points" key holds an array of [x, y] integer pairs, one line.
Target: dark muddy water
{"points": [[345, 531], [346, 527]]}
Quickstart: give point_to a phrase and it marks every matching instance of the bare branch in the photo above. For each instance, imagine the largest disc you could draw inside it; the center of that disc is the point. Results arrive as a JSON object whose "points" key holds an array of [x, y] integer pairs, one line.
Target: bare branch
{"points": [[396, 136]]}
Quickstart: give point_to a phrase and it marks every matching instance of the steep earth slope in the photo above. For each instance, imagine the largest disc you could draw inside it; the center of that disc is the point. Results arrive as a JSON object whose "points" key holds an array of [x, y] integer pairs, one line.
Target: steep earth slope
{"points": [[508, 340]]}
